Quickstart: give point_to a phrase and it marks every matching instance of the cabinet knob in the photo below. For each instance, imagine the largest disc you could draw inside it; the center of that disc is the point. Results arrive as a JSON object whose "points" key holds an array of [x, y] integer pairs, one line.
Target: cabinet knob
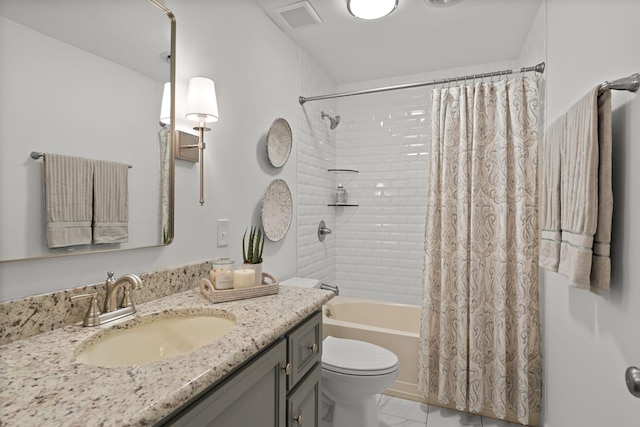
{"points": [[298, 419], [287, 368], [313, 347]]}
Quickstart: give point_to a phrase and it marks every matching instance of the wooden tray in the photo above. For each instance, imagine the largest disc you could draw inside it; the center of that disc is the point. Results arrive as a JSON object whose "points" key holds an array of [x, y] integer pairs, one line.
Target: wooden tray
{"points": [[224, 295]]}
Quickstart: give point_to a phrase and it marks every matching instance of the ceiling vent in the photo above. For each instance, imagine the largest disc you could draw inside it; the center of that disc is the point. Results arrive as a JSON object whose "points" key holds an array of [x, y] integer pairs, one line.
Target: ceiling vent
{"points": [[299, 14]]}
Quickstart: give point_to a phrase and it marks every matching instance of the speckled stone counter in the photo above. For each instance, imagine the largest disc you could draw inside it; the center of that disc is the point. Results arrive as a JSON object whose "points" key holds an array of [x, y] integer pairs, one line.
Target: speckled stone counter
{"points": [[43, 384]]}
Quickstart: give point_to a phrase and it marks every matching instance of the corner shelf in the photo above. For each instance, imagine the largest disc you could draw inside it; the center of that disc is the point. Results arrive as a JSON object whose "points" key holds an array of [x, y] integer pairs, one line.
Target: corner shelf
{"points": [[341, 204], [342, 170]]}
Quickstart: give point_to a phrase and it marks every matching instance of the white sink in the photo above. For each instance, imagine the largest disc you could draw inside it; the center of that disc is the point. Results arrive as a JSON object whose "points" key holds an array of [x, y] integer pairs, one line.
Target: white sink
{"points": [[153, 339]]}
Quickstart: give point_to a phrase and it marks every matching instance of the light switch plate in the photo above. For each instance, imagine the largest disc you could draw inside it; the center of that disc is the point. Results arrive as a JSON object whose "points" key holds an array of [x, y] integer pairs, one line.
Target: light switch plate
{"points": [[223, 232]]}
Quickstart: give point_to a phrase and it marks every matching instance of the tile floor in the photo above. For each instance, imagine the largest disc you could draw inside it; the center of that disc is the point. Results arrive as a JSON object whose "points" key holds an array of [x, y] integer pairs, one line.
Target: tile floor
{"points": [[396, 412]]}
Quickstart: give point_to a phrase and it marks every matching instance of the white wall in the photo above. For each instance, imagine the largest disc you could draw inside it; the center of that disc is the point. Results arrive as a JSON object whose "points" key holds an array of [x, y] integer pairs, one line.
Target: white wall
{"points": [[316, 154], [254, 67], [590, 340]]}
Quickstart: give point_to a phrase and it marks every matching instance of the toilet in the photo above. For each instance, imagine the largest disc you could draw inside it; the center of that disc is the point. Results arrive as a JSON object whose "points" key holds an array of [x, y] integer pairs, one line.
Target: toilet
{"points": [[353, 373]]}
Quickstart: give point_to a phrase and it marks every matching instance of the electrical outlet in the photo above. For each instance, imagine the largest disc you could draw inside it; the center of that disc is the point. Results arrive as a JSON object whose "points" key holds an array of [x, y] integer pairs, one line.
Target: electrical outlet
{"points": [[223, 232]]}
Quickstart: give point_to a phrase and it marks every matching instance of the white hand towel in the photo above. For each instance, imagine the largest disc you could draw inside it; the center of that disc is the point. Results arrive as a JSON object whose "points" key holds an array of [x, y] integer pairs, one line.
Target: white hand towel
{"points": [[111, 202], [68, 200]]}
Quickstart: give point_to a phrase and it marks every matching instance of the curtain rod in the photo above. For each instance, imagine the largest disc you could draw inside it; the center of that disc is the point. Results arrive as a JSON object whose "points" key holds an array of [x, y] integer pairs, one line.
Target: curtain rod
{"points": [[539, 68], [631, 83]]}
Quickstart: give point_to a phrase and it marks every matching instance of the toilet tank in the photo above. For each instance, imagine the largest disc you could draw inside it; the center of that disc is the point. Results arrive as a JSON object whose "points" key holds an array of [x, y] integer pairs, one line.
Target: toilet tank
{"points": [[301, 282]]}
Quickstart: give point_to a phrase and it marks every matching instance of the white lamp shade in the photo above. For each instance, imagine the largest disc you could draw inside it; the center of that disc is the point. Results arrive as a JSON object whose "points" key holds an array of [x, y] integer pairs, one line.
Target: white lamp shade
{"points": [[165, 108], [371, 9], [201, 100]]}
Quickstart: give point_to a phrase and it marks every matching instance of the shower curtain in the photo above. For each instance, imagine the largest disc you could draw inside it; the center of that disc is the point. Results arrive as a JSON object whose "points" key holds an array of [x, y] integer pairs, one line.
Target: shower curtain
{"points": [[480, 331]]}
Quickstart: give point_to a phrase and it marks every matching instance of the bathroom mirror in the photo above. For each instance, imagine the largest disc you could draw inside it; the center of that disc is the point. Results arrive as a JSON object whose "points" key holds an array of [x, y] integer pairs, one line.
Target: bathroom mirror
{"points": [[84, 78]]}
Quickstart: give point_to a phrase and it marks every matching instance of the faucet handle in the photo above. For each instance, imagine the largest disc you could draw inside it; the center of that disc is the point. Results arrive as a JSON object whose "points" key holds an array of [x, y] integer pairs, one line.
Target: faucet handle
{"points": [[92, 318], [126, 298]]}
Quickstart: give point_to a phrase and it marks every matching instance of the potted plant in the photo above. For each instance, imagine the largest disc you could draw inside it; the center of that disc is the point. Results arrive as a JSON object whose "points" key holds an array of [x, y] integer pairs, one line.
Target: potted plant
{"points": [[252, 252]]}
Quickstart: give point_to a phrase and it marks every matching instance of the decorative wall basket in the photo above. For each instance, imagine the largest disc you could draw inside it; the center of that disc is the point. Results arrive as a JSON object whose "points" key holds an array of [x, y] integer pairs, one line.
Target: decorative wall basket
{"points": [[279, 142], [277, 210]]}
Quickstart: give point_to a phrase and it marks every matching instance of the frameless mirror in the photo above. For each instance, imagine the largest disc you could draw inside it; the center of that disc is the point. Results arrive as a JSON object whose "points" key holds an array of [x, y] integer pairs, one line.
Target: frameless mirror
{"points": [[84, 78]]}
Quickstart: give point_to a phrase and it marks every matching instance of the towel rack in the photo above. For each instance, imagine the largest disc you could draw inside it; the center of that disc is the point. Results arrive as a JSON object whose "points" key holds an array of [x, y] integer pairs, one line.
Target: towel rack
{"points": [[35, 155], [631, 83]]}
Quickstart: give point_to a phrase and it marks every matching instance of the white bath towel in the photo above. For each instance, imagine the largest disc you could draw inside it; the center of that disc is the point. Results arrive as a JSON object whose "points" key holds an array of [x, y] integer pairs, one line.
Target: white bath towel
{"points": [[68, 200], [581, 177], [551, 235], [601, 261], [111, 202]]}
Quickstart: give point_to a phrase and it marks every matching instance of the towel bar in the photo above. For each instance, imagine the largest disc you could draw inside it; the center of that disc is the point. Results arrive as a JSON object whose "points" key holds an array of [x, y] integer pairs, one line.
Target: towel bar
{"points": [[35, 155]]}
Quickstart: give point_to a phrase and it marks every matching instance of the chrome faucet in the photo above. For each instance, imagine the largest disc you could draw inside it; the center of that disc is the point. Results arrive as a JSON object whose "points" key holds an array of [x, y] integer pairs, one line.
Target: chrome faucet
{"points": [[113, 285]]}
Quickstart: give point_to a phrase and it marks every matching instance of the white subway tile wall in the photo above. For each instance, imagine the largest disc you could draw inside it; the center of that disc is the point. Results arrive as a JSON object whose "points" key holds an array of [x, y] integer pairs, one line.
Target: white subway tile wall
{"points": [[376, 249], [379, 243]]}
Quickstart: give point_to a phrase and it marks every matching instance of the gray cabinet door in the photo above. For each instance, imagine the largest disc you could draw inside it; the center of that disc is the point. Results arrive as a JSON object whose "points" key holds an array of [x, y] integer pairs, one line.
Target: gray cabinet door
{"points": [[254, 396], [305, 348], [303, 406]]}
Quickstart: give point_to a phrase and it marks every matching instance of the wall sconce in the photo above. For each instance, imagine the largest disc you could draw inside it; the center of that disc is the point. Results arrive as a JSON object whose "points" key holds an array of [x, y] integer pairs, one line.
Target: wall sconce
{"points": [[202, 107]]}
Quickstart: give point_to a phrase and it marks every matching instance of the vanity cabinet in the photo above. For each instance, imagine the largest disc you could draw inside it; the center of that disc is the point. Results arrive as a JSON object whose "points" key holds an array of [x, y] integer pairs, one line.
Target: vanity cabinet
{"points": [[303, 403], [280, 387], [304, 348]]}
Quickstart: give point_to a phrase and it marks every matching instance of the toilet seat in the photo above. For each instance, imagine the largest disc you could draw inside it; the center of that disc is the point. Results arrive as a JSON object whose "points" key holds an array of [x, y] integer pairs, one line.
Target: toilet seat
{"points": [[351, 357]]}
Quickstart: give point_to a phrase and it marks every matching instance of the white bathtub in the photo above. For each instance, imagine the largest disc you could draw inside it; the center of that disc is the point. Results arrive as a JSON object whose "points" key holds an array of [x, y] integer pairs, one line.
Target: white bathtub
{"points": [[392, 326]]}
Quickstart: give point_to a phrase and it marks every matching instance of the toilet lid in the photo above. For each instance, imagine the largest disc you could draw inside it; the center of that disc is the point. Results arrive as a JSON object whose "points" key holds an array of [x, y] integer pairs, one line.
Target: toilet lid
{"points": [[357, 357]]}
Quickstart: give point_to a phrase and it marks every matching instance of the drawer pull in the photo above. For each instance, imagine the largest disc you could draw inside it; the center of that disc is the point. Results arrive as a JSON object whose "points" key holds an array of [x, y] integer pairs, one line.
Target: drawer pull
{"points": [[298, 419], [313, 347], [287, 368]]}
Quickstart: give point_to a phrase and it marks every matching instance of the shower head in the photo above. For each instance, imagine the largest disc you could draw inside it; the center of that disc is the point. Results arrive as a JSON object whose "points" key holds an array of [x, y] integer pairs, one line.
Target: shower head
{"points": [[334, 121]]}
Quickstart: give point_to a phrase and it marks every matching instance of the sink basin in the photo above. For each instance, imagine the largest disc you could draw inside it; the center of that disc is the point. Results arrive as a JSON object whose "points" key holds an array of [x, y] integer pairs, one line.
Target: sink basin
{"points": [[153, 338]]}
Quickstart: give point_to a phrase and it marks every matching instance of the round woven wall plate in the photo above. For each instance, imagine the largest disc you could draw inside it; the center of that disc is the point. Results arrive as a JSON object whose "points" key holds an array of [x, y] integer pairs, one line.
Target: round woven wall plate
{"points": [[277, 210], [279, 142]]}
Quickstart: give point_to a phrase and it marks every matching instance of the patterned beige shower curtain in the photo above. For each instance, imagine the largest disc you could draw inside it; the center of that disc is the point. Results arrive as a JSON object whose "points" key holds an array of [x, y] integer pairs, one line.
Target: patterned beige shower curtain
{"points": [[480, 330]]}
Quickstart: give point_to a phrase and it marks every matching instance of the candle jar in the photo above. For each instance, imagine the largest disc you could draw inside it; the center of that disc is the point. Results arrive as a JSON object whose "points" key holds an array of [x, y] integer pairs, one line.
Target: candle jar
{"points": [[221, 275], [244, 278]]}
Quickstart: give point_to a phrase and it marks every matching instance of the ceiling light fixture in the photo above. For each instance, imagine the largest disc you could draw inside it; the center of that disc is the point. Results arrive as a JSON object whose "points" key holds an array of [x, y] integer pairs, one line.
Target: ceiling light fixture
{"points": [[371, 9]]}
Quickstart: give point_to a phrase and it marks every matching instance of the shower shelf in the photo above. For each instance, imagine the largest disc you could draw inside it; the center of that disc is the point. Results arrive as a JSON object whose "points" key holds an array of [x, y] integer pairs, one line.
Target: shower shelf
{"points": [[342, 170], [342, 204]]}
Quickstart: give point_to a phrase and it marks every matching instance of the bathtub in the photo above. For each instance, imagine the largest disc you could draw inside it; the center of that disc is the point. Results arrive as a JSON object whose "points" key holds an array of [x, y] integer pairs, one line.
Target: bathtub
{"points": [[392, 326]]}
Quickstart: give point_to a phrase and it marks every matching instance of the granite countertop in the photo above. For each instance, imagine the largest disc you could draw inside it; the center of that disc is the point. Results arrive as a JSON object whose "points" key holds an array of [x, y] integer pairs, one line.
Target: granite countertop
{"points": [[43, 384]]}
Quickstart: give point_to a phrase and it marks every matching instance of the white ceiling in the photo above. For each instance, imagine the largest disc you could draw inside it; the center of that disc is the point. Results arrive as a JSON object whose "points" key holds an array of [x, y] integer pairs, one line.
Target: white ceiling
{"points": [[414, 38]]}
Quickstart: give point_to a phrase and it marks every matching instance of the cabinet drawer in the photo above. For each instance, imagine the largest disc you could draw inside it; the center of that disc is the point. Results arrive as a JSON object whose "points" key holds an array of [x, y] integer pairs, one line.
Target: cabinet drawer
{"points": [[303, 405], [304, 348]]}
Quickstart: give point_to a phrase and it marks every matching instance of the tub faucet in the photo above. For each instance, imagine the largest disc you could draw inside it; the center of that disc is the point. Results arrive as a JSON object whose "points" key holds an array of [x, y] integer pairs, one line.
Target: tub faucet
{"points": [[113, 285]]}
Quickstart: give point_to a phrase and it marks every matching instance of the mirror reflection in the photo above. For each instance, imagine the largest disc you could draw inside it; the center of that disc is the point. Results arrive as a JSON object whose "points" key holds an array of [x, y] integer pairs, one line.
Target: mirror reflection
{"points": [[88, 85]]}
